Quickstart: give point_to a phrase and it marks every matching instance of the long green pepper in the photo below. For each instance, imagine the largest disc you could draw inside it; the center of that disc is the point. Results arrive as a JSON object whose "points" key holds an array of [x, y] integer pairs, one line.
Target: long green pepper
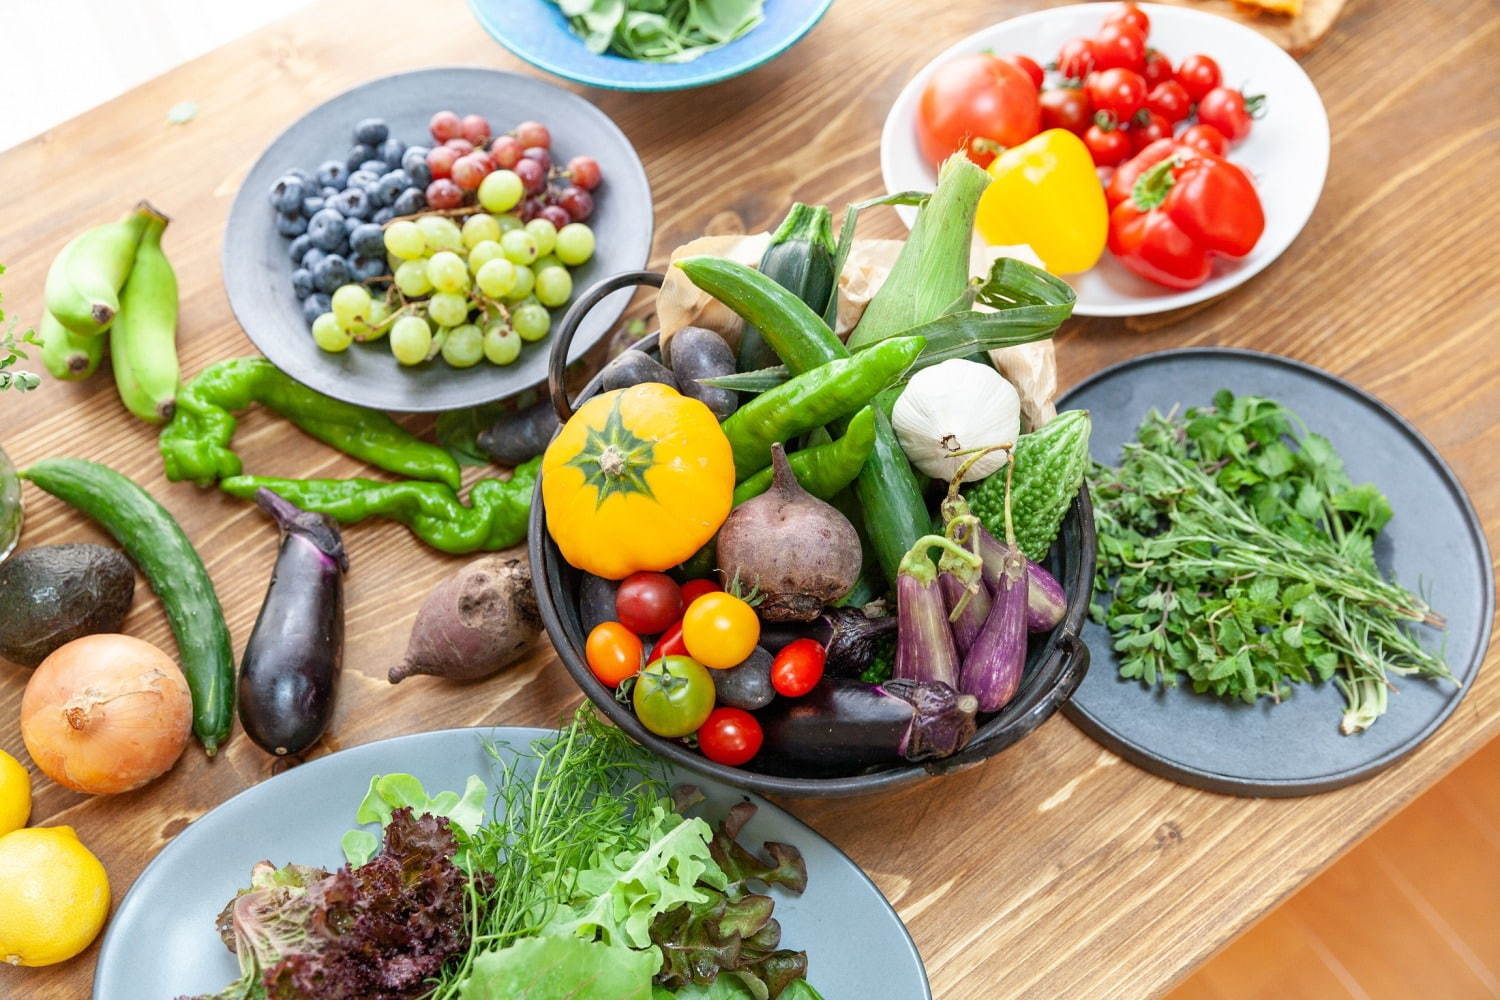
{"points": [[824, 469]]}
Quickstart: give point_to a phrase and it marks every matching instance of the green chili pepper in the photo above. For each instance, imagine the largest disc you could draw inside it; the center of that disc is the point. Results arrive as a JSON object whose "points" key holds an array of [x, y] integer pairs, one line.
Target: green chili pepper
{"points": [[814, 398], [823, 469], [195, 445], [494, 518]]}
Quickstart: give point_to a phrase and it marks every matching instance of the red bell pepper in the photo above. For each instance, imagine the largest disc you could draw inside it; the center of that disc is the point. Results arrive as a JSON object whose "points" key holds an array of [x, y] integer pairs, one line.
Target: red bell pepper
{"points": [[1184, 207]]}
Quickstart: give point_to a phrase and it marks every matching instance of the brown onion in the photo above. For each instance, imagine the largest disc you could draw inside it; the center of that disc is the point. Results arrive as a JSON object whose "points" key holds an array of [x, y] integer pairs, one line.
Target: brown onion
{"points": [[106, 714]]}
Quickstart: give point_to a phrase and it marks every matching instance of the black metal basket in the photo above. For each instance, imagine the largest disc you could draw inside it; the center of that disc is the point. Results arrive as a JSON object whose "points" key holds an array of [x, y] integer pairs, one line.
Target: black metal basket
{"points": [[1054, 665]]}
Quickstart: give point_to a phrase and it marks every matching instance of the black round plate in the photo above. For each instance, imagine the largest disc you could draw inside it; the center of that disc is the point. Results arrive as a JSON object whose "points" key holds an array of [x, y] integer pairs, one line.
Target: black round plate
{"points": [[1433, 543], [257, 272]]}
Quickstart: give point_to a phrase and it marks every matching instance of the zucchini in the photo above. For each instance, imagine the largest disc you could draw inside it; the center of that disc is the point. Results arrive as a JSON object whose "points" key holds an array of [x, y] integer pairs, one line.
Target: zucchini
{"points": [[799, 259], [154, 539]]}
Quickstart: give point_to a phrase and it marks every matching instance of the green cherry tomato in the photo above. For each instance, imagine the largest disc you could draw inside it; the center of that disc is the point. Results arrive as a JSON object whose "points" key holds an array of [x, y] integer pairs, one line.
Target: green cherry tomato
{"points": [[673, 696]]}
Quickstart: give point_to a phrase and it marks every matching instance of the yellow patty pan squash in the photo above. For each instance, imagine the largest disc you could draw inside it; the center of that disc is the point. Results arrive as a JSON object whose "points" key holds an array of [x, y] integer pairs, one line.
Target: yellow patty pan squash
{"points": [[639, 479]]}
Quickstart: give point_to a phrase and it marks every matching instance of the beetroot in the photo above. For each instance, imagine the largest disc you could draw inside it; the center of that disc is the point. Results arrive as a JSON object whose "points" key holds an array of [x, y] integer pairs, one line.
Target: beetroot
{"points": [[474, 623]]}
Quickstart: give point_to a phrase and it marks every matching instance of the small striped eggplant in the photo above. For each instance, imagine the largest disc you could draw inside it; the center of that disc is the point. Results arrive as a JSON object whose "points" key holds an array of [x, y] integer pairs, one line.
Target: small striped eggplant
{"points": [[965, 594], [1046, 602], [925, 649], [992, 669], [849, 636]]}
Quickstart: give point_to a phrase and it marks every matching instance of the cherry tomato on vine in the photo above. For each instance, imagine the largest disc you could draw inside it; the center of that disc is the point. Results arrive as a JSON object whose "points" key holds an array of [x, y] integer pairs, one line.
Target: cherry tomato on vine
{"points": [[1198, 75], [1158, 68], [646, 603], [720, 630], [973, 104], [1067, 108], [797, 669], [673, 696], [1108, 146], [669, 644], [1205, 138], [1075, 60], [1120, 46], [694, 589], [1229, 111], [1146, 128], [1027, 65], [1117, 92], [730, 736], [1131, 14], [613, 652], [1169, 100]]}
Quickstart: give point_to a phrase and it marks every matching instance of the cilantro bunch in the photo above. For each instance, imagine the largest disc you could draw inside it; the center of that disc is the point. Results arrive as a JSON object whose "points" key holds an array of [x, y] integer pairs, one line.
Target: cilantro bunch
{"points": [[1234, 549]]}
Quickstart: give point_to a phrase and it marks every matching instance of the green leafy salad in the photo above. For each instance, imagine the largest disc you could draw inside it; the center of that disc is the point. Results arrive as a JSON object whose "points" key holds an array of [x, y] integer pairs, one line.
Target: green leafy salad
{"points": [[660, 30], [584, 877]]}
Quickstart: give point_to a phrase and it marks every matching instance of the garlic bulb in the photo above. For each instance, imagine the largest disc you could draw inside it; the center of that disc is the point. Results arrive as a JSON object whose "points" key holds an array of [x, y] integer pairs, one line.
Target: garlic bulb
{"points": [[953, 410]]}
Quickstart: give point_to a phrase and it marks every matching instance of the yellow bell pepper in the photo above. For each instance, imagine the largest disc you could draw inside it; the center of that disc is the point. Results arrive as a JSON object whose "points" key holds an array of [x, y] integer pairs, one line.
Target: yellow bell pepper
{"points": [[1046, 194]]}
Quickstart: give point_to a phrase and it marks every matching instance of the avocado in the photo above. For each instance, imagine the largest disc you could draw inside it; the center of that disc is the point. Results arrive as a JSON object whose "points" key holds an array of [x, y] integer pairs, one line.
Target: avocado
{"points": [[53, 594]]}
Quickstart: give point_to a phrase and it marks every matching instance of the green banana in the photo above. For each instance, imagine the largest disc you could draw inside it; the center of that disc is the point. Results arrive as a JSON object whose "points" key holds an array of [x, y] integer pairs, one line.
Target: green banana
{"points": [[65, 353], [143, 338], [84, 281]]}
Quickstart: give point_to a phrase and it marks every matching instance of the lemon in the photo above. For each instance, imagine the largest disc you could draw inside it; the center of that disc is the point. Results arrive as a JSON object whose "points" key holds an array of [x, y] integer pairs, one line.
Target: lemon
{"points": [[15, 794], [54, 896]]}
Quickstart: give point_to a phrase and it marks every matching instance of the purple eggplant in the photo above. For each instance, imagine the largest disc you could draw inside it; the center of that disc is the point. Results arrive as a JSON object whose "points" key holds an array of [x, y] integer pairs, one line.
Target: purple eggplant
{"points": [[992, 667], [292, 661], [1046, 602], [844, 725], [925, 650], [850, 637], [965, 595]]}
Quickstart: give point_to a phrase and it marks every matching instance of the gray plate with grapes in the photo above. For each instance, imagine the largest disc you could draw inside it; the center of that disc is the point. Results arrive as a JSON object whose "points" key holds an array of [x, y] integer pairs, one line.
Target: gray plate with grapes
{"points": [[279, 275], [1433, 545]]}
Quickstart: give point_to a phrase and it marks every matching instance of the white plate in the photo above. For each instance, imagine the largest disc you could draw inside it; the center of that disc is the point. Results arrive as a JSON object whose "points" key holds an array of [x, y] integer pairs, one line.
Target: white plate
{"points": [[1286, 152]]}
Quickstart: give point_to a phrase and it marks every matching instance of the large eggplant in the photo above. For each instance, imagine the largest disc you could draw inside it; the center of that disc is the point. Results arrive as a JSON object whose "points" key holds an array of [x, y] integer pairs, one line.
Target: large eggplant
{"points": [[290, 673], [850, 637], [843, 726]]}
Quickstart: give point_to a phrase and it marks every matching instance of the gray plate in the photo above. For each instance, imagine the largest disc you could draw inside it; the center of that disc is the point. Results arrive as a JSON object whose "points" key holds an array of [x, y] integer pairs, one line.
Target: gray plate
{"points": [[161, 942], [1434, 543], [257, 272]]}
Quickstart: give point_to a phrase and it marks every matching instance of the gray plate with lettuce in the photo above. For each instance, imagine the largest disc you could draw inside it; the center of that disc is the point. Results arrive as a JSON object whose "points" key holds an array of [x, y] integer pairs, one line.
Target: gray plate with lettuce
{"points": [[617, 883]]}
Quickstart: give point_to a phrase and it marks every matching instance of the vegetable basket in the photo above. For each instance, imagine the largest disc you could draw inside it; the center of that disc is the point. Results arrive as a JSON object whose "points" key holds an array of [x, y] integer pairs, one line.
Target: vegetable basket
{"points": [[1055, 663]]}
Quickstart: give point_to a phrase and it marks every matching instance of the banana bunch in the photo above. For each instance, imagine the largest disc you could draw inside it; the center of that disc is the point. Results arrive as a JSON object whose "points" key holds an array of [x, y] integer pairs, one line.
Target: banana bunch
{"points": [[113, 285]]}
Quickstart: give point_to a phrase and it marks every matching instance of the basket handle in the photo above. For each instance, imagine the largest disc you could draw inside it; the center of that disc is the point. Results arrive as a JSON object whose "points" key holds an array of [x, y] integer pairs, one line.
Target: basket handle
{"points": [[562, 340]]}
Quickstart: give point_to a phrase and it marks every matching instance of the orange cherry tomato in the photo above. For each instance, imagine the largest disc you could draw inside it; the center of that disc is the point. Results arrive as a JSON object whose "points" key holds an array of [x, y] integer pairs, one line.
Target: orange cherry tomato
{"points": [[613, 652]]}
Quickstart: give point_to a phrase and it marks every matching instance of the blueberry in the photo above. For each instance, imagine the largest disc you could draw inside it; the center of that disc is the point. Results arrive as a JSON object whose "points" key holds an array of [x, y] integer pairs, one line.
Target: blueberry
{"points": [[353, 204], [286, 194], [302, 282], [330, 272], [290, 224], [326, 229], [368, 238], [298, 248], [409, 202], [333, 174], [363, 178], [328, 192], [311, 258], [312, 206], [391, 151], [383, 216], [374, 165], [391, 185], [365, 268], [372, 131], [315, 305], [300, 174], [414, 162], [359, 153]]}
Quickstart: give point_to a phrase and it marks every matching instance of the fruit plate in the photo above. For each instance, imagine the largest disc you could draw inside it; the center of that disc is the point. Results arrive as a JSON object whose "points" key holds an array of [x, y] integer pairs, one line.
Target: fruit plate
{"points": [[856, 945], [1286, 151], [257, 270], [537, 31], [1433, 544]]}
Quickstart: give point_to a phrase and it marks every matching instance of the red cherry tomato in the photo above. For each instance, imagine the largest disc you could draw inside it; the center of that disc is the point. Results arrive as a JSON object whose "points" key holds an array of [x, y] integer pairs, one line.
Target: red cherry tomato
{"points": [[1118, 92], [670, 644], [1158, 68], [1068, 108], [972, 99], [1131, 14], [1169, 100], [694, 589], [613, 652], [1075, 60], [1146, 128], [730, 736], [1027, 65], [1228, 111], [1198, 75], [1108, 146], [1120, 46], [1205, 138], [646, 603], [797, 669]]}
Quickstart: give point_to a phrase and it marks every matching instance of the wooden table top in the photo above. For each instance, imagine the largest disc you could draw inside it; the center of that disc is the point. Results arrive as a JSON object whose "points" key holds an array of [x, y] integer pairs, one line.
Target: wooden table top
{"points": [[1054, 870]]}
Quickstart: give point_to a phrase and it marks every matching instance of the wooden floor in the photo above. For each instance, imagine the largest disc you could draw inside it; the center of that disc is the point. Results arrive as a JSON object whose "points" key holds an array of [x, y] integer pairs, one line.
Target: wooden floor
{"points": [[1411, 912]]}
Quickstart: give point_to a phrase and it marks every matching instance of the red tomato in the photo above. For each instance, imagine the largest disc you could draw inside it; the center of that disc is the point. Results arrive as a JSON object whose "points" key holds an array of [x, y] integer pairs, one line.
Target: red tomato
{"points": [[798, 667], [613, 652], [1228, 111], [1119, 46], [1027, 65], [694, 589], [730, 736], [1067, 107], [646, 603], [1169, 100], [1148, 127], [670, 644], [1198, 75], [1075, 60], [1108, 146], [976, 97], [1158, 68], [1129, 13], [1205, 138], [1118, 92]]}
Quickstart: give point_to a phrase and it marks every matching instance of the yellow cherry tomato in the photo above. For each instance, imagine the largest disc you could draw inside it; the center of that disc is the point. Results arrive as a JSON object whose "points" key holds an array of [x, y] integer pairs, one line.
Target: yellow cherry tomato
{"points": [[720, 630]]}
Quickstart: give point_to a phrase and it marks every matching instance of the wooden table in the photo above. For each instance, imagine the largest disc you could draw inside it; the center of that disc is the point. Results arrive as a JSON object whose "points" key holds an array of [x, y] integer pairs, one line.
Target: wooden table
{"points": [[1056, 870]]}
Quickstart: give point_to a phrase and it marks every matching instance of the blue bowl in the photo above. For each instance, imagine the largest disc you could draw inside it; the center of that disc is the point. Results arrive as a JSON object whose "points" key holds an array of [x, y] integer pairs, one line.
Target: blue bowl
{"points": [[537, 31]]}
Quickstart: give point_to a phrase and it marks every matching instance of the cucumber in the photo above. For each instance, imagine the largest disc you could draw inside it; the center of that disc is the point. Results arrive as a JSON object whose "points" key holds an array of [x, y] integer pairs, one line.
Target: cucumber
{"points": [[155, 541], [799, 259]]}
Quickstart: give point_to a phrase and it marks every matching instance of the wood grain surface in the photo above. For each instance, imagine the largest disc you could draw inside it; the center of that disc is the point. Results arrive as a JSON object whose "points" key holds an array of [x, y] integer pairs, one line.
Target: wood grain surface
{"points": [[1055, 870], [1298, 35]]}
